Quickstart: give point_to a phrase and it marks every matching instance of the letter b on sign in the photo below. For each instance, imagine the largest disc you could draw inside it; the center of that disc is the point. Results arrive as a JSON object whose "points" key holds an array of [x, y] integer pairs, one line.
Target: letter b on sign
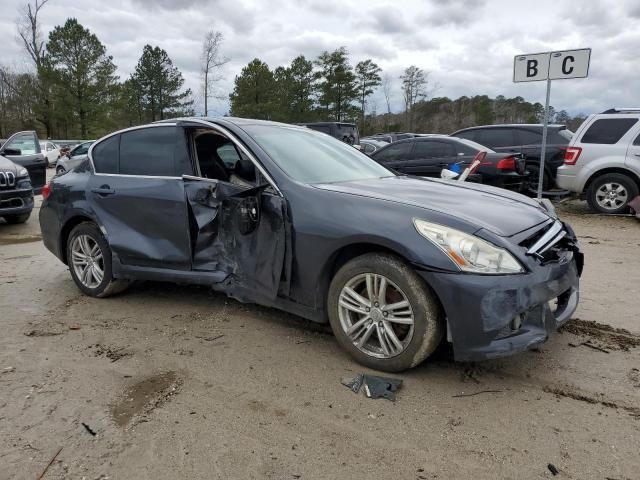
{"points": [[531, 68]]}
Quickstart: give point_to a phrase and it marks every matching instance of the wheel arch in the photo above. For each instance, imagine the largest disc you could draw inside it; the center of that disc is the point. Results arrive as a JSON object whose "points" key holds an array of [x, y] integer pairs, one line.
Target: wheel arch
{"points": [[619, 170], [350, 251]]}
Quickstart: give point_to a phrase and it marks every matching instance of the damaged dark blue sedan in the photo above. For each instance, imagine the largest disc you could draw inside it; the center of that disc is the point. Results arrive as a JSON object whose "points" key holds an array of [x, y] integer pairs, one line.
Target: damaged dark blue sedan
{"points": [[290, 218]]}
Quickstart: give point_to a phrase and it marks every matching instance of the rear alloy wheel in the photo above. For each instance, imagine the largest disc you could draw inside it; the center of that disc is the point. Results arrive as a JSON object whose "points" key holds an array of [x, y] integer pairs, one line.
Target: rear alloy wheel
{"points": [[383, 314], [611, 192], [89, 258]]}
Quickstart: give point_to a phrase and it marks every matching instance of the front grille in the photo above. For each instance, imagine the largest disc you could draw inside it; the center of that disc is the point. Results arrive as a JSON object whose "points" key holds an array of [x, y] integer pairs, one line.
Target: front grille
{"points": [[551, 243], [7, 180]]}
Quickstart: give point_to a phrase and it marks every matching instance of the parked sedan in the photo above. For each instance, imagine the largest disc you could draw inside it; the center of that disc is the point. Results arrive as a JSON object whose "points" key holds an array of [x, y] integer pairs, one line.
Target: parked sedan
{"points": [[427, 156], [75, 156], [306, 223]]}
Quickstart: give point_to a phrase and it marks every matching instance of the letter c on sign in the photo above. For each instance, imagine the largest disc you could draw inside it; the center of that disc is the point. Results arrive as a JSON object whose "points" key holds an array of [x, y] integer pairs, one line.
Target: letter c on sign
{"points": [[565, 69], [532, 68]]}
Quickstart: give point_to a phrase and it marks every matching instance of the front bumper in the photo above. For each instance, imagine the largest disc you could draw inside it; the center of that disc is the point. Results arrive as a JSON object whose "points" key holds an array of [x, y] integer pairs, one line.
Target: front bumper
{"points": [[16, 202], [496, 316]]}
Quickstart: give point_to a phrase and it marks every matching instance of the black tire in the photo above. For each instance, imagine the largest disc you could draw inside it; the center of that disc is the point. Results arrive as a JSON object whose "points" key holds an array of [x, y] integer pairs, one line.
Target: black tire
{"points": [[534, 175], [15, 219], [428, 316], [627, 183], [109, 285]]}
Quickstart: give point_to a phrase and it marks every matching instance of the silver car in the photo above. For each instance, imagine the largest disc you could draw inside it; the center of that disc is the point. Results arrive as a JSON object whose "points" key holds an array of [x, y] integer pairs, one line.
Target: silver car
{"points": [[75, 157], [602, 161]]}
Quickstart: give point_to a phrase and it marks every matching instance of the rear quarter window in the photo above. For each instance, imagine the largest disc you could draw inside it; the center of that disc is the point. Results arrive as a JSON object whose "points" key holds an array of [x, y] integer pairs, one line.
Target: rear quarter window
{"points": [[608, 130], [106, 155]]}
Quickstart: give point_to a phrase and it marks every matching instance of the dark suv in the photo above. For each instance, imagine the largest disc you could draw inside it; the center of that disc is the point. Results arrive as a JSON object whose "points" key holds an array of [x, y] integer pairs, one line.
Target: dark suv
{"points": [[527, 140], [290, 218]]}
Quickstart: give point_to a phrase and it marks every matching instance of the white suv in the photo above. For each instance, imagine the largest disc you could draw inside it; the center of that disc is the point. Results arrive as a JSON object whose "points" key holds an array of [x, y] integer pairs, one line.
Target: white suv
{"points": [[602, 161]]}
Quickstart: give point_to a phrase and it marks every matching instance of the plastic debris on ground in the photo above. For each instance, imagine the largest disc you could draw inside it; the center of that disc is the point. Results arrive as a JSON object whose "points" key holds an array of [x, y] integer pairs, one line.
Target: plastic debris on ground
{"points": [[374, 386]]}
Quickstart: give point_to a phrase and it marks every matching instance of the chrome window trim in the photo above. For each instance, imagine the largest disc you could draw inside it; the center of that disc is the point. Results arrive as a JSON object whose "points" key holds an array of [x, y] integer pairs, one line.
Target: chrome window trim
{"points": [[239, 145], [113, 134], [208, 124]]}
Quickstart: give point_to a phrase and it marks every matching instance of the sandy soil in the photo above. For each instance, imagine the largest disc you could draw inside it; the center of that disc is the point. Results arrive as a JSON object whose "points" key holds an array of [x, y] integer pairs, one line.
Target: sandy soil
{"points": [[170, 381]]}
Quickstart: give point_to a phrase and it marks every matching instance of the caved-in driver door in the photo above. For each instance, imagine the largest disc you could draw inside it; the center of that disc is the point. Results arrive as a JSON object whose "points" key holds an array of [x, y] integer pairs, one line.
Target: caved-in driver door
{"points": [[240, 232]]}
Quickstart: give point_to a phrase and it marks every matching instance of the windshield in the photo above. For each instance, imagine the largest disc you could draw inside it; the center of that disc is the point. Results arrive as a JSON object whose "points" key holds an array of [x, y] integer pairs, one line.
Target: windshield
{"points": [[311, 157]]}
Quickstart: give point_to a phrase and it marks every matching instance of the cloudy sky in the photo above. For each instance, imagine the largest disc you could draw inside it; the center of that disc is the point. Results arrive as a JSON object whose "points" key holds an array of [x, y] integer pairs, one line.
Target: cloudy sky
{"points": [[467, 45]]}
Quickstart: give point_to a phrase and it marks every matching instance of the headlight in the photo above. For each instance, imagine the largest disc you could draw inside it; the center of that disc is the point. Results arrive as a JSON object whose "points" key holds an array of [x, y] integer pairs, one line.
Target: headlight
{"points": [[23, 172], [468, 252]]}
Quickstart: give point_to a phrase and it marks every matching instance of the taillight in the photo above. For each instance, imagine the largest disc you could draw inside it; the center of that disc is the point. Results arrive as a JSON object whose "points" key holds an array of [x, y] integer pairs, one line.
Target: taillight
{"points": [[46, 191], [571, 155], [507, 163]]}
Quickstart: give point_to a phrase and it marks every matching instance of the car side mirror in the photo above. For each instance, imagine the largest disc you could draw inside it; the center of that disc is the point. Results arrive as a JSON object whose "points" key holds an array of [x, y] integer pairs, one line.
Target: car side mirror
{"points": [[11, 151]]}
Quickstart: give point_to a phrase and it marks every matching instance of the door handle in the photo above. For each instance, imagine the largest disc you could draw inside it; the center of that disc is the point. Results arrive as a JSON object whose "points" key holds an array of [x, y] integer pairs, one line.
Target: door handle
{"points": [[637, 154], [103, 190]]}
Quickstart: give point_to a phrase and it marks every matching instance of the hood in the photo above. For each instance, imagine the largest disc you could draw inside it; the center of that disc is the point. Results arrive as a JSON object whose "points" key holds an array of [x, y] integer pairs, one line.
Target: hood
{"points": [[7, 165], [500, 211]]}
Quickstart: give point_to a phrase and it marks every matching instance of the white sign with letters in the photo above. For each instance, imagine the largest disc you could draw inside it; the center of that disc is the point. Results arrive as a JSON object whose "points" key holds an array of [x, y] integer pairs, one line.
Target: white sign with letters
{"points": [[534, 67]]}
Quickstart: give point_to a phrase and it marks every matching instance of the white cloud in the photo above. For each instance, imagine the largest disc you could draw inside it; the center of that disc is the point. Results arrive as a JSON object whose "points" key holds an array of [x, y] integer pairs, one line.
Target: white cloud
{"points": [[467, 45]]}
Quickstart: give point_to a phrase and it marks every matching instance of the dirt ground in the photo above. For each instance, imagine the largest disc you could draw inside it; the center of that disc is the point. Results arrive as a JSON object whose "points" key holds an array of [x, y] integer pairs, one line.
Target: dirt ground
{"points": [[171, 381]]}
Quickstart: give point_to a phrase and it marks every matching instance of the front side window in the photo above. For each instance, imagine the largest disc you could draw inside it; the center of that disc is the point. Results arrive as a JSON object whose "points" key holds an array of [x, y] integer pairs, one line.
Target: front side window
{"points": [[25, 142], [311, 157], [106, 155], [608, 131], [148, 151]]}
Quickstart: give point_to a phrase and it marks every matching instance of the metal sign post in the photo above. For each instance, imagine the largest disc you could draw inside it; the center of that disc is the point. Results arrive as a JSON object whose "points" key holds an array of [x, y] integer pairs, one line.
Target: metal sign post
{"points": [[549, 66]]}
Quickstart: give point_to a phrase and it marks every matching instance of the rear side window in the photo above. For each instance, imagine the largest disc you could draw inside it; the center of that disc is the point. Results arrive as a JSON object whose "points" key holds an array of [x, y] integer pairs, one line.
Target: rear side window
{"points": [[106, 155], [496, 137], [432, 149], [608, 130], [637, 140], [148, 151], [395, 151]]}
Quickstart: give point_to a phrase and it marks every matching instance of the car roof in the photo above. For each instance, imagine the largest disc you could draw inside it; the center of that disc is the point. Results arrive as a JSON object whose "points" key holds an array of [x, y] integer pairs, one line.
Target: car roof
{"points": [[514, 125]]}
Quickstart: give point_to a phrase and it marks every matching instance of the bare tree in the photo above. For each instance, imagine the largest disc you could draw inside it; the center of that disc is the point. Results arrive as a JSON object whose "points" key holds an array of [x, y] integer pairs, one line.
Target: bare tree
{"points": [[212, 60], [386, 90], [414, 84], [29, 32], [33, 41]]}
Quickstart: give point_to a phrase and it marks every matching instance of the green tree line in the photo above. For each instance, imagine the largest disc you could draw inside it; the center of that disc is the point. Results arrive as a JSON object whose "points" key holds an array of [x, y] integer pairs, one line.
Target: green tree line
{"points": [[329, 88]]}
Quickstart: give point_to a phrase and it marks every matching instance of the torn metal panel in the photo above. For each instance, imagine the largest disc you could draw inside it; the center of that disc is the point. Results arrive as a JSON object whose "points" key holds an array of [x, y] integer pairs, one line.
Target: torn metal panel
{"points": [[239, 231]]}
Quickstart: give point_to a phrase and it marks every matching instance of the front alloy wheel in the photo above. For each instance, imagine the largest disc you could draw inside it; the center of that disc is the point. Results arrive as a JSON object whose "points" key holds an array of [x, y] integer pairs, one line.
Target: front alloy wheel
{"points": [[376, 315], [383, 314]]}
